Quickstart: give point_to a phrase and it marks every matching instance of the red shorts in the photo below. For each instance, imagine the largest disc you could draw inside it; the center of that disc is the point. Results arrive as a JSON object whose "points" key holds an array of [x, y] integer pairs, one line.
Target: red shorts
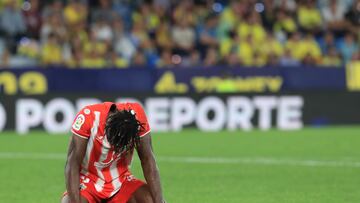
{"points": [[128, 187]]}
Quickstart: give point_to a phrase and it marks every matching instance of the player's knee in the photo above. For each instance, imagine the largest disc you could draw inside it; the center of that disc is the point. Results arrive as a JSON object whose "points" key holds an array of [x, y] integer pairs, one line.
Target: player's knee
{"points": [[65, 199]]}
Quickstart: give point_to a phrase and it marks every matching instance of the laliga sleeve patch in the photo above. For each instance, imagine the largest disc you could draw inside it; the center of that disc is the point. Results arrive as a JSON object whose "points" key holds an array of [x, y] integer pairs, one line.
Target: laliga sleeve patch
{"points": [[80, 120], [87, 111]]}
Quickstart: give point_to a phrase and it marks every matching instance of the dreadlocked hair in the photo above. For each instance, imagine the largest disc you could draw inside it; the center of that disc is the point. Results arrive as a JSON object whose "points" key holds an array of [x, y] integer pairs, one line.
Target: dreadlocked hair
{"points": [[122, 130]]}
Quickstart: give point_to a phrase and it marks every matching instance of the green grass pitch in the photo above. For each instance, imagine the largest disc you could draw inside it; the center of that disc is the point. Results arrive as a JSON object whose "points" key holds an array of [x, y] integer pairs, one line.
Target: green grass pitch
{"points": [[309, 166]]}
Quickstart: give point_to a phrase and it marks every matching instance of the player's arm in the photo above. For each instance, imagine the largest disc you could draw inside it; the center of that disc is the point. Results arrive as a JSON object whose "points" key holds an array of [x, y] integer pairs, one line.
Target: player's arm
{"points": [[76, 153], [150, 169]]}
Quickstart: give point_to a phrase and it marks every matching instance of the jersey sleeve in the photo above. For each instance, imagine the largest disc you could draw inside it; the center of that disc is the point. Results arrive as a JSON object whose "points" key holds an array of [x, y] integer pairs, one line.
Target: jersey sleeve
{"points": [[141, 116], [82, 123]]}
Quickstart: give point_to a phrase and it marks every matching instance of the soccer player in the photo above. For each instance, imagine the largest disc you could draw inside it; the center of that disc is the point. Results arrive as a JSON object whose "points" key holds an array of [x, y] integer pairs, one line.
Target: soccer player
{"points": [[100, 152]]}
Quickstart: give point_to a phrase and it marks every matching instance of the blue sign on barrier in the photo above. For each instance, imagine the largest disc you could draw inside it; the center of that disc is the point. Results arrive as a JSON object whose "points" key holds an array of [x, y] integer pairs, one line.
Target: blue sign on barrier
{"points": [[175, 80]]}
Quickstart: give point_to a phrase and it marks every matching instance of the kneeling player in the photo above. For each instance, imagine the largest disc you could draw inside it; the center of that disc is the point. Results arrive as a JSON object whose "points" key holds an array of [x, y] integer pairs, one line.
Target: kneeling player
{"points": [[101, 148]]}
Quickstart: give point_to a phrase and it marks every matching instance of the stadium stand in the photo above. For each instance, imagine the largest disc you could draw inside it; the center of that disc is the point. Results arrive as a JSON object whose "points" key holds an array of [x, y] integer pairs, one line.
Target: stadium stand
{"points": [[161, 33]]}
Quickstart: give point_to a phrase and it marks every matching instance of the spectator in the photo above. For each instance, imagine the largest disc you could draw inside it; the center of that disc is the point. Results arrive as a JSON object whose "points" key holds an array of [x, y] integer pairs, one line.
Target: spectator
{"points": [[194, 60], [309, 17], [293, 45], [95, 51], [74, 13], [346, 4], [77, 51], [102, 31], [2, 5], [150, 53], [208, 31], [147, 16], [287, 60], [5, 59], [302, 48], [165, 59], [104, 12], [12, 24], [54, 8], [94, 47], [356, 57], [211, 57], [308, 60], [139, 59], [252, 26], [348, 47], [122, 42], [33, 19], [28, 48], [165, 4], [310, 48], [353, 16], [122, 8], [4, 55], [160, 14], [333, 16], [139, 34], [53, 24], [229, 44], [230, 18], [284, 23], [117, 61], [93, 60], [232, 59], [268, 15], [258, 60], [246, 51], [184, 12], [81, 31], [52, 51], [271, 46], [2, 45], [183, 36], [332, 58], [286, 5], [327, 42], [272, 59], [163, 37]]}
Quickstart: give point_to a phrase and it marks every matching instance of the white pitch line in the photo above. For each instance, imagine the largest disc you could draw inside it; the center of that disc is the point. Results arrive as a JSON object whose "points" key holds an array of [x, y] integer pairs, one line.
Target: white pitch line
{"points": [[205, 160], [39, 156], [261, 161]]}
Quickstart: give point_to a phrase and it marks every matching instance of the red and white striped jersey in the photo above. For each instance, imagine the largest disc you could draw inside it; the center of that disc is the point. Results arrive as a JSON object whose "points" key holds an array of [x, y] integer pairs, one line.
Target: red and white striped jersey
{"points": [[107, 169]]}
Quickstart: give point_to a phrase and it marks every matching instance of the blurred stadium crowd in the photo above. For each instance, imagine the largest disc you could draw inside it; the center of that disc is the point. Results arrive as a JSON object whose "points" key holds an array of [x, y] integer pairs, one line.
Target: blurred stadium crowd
{"points": [[168, 33]]}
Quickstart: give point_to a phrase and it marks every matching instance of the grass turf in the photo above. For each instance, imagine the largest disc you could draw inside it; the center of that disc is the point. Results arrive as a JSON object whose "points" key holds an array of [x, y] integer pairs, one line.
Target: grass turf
{"points": [[39, 179]]}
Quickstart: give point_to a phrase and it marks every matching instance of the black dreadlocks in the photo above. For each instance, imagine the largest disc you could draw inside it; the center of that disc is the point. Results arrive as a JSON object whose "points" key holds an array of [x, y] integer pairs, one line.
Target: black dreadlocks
{"points": [[122, 130]]}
